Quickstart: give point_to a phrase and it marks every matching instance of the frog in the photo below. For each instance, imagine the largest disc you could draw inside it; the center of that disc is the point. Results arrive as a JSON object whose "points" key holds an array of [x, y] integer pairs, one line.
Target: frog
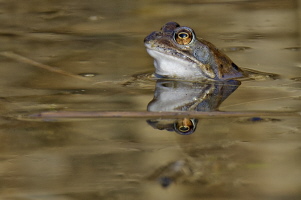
{"points": [[178, 53]]}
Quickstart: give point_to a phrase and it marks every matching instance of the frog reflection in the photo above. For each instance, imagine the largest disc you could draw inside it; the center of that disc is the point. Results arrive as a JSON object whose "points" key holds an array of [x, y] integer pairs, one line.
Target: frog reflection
{"points": [[172, 95]]}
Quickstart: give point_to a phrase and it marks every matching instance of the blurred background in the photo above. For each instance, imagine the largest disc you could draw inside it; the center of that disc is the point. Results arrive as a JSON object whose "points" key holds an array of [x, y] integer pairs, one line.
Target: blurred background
{"points": [[68, 159]]}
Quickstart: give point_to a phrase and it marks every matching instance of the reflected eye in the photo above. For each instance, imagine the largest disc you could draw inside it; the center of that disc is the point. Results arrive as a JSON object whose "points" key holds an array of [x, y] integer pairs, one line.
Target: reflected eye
{"points": [[184, 125], [183, 37]]}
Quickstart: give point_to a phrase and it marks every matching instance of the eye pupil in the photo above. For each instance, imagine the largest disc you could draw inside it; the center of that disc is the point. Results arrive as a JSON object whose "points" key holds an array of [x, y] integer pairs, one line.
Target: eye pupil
{"points": [[184, 128], [183, 35]]}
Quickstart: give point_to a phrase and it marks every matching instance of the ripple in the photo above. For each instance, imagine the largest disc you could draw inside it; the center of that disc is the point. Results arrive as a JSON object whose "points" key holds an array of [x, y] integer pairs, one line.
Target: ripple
{"points": [[258, 120], [293, 48], [235, 48], [296, 79], [88, 74]]}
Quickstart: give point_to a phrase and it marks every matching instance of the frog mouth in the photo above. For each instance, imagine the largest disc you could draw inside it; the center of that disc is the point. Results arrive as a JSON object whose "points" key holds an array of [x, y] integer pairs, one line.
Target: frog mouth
{"points": [[172, 56], [169, 51], [172, 66]]}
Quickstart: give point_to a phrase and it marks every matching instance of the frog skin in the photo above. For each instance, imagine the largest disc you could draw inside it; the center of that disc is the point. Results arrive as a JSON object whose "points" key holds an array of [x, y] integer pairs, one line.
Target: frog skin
{"points": [[175, 95], [178, 53]]}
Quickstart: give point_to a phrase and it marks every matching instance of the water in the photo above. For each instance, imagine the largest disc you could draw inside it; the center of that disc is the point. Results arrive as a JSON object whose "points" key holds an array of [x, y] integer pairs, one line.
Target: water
{"points": [[126, 158]]}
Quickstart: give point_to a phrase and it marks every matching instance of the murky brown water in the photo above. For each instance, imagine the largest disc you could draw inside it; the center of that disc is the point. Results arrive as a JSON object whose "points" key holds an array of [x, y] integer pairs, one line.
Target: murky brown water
{"points": [[226, 158]]}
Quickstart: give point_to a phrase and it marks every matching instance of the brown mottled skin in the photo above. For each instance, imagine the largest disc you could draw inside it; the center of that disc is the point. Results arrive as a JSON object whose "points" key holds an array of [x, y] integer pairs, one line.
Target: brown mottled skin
{"points": [[175, 47]]}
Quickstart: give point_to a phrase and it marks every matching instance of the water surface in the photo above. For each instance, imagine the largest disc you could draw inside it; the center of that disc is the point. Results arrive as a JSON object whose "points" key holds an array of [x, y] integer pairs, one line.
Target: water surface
{"points": [[110, 158]]}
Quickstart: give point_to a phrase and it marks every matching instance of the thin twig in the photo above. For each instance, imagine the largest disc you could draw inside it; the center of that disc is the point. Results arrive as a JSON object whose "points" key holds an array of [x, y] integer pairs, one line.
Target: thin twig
{"points": [[163, 115], [25, 60]]}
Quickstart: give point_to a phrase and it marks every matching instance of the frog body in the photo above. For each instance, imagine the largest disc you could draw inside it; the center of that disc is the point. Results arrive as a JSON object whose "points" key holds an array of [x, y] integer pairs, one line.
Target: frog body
{"points": [[178, 53]]}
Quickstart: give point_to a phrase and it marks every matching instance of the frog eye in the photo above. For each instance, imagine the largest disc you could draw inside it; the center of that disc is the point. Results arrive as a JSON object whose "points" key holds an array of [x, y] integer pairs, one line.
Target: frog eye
{"points": [[184, 126], [183, 37]]}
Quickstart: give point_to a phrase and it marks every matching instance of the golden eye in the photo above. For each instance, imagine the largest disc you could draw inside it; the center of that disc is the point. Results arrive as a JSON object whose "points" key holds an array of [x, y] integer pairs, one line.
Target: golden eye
{"points": [[184, 125], [183, 37]]}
